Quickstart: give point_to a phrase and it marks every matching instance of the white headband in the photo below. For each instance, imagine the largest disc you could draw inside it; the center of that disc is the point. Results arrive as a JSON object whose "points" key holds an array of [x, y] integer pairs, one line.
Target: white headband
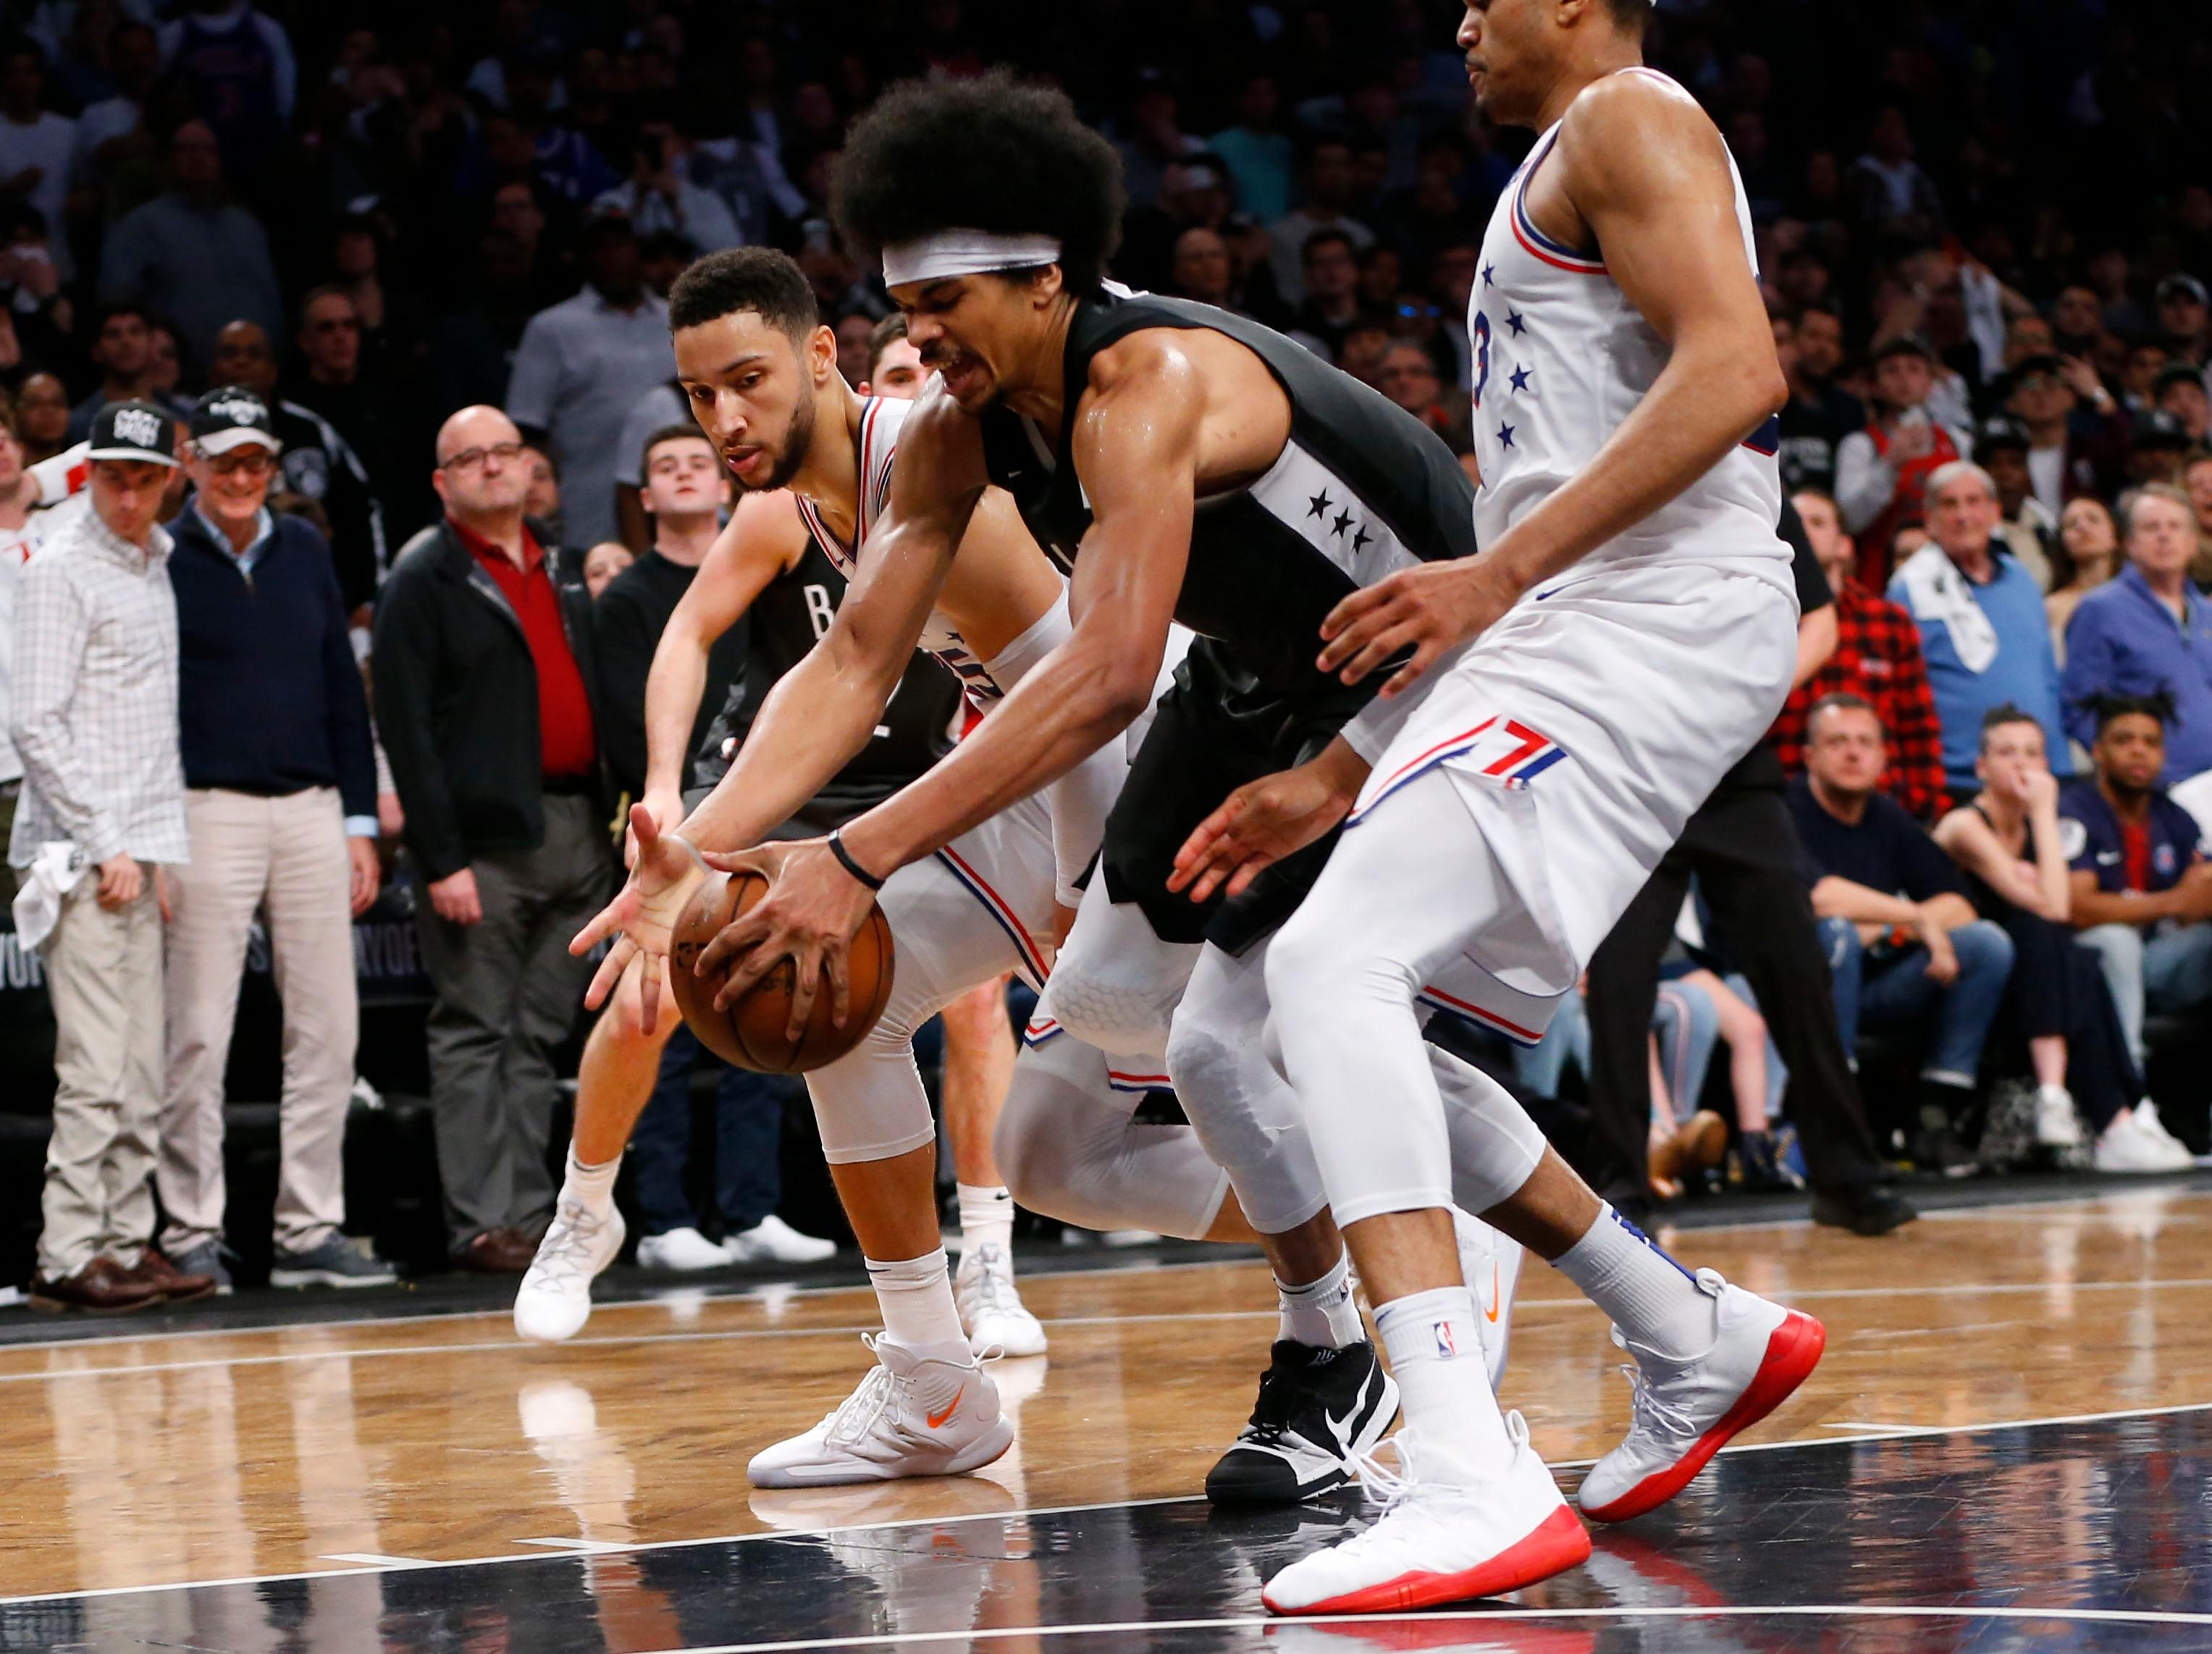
{"points": [[964, 252]]}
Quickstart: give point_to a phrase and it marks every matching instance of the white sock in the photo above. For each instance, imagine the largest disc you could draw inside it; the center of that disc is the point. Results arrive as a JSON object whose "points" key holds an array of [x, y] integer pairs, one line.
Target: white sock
{"points": [[1322, 1313], [1654, 1300], [915, 1295], [590, 1187], [1443, 1386], [987, 1219]]}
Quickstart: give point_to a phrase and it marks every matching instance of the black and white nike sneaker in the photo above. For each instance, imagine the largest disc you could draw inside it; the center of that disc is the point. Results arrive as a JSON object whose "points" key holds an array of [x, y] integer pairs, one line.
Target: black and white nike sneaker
{"points": [[1317, 1408]]}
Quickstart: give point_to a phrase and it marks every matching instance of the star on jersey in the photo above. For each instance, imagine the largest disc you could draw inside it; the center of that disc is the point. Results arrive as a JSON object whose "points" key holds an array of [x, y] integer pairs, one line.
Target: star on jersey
{"points": [[1513, 321], [1520, 379], [1359, 540], [1505, 436], [1317, 504], [1342, 523], [1489, 275]]}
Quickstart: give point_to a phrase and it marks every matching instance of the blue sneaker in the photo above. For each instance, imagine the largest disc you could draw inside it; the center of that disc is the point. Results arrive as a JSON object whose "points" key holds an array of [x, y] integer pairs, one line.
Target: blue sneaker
{"points": [[209, 1258], [338, 1262]]}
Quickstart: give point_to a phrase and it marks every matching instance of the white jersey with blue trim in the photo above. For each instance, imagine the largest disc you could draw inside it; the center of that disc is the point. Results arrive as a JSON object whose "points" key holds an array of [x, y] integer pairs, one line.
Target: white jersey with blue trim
{"points": [[1561, 358], [880, 419]]}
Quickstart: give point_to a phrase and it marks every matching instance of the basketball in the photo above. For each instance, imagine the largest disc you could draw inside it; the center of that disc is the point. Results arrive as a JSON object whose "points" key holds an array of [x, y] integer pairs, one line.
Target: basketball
{"points": [[751, 1031]]}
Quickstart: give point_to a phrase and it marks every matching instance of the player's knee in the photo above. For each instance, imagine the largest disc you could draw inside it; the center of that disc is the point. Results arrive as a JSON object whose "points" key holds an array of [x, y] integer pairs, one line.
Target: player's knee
{"points": [[1117, 1016]]}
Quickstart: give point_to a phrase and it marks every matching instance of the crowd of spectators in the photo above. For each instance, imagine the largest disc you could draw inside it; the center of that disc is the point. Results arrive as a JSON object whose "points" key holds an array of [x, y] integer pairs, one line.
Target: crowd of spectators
{"points": [[363, 220]]}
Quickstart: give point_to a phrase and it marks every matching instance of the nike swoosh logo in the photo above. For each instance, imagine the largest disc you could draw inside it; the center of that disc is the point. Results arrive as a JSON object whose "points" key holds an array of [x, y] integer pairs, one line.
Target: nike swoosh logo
{"points": [[937, 1419], [1497, 1293], [2106, 858]]}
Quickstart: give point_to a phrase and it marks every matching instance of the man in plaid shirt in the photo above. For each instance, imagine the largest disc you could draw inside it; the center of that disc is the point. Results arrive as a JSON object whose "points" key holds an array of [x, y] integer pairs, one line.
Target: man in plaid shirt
{"points": [[1878, 657], [94, 716]]}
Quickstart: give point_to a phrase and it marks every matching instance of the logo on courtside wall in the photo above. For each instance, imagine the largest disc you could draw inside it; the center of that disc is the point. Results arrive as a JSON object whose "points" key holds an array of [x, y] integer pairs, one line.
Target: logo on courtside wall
{"points": [[1446, 1346]]}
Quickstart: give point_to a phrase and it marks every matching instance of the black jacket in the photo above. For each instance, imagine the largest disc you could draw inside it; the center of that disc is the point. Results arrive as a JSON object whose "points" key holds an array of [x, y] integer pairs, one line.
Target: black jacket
{"points": [[457, 700], [268, 698]]}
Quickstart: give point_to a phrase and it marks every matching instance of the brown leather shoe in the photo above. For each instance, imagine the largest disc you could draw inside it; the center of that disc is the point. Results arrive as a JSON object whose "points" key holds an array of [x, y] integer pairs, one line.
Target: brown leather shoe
{"points": [[497, 1252], [101, 1287], [174, 1286], [1694, 1147]]}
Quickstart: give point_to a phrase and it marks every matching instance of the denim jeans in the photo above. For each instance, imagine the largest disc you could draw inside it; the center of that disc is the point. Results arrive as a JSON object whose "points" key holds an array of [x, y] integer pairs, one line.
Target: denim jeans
{"points": [[1541, 1067], [1895, 991], [1689, 1030], [2169, 970], [748, 1137]]}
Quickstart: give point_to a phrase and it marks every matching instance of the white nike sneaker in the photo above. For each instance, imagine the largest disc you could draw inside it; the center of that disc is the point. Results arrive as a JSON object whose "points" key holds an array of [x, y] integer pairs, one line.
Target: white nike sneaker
{"points": [[908, 1417], [1441, 1542], [685, 1248], [1492, 1264], [2055, 1126], [1686, 1411], [991, 1308], [2147, 1116], [555, 1299], [774, 1241], [2130, 1145]]}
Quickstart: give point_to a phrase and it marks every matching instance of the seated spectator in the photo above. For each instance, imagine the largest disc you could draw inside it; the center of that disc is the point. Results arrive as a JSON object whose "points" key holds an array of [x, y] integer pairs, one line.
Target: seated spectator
{"points": [[2001, 449], [660, 194], [1882, 471], [2185, 318], [1407, 375], [1332, 302], [2088, 554], [122, 351], [280, 799], [602, 564], [2076, 434], [1257, 153], [1906, 946], [94, 716], [2008, 845], [1330, 185], [1199, 268], [2158, 448], [1877, 657], [1819, 413], [2148, 632], [1982, 630], [2178, 393], [37, 146], [42, 417], [2143, 888]]}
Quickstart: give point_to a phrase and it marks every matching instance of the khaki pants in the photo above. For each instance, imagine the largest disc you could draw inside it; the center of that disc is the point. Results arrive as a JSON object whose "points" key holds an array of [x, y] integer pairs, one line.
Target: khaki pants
{"points": [[290, 854], [104, 976]]}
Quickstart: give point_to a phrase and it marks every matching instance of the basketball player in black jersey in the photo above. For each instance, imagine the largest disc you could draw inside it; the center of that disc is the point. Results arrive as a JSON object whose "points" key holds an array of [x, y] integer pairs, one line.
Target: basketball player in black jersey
{"points": [[1207, 470]]}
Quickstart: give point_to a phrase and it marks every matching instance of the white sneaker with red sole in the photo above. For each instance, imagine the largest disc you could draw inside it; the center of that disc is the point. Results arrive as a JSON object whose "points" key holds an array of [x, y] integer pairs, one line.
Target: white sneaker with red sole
{"points": [[1686, 1411], [910, 1417], [1440, 1543]]}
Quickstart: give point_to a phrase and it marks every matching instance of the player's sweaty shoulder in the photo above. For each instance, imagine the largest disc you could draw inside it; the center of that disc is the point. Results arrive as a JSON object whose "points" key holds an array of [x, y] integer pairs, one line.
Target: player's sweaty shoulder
{"points": [[1620, 125]]}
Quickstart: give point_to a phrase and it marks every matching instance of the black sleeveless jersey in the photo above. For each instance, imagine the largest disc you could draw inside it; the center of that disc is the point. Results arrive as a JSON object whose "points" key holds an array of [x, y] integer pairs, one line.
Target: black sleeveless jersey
{"points": [[1361, 489], [785, 622]]}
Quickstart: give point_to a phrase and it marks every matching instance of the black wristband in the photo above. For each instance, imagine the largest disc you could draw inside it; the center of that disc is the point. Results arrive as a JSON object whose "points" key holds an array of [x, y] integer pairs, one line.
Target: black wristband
{"points": [[845, 861]]}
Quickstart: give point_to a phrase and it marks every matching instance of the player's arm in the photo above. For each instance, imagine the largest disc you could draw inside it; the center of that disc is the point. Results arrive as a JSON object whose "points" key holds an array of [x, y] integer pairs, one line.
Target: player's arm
{"points": [[1644, 170], [763, 539], [822, 712], [1136, 443]]}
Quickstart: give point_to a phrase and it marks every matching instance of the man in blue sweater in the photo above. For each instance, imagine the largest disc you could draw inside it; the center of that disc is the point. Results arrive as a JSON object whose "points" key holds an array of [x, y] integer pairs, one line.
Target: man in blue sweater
{"points": [[280, 804]]}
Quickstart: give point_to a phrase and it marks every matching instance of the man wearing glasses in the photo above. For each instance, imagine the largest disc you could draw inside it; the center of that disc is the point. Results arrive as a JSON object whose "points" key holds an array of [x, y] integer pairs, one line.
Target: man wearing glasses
{"points": [[280, 803], [482, 665]]}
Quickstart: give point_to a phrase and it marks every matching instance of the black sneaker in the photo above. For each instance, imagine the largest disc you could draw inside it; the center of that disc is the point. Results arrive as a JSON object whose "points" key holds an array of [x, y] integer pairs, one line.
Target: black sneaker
{"points": [[1938, 1151], [1316, 1409], [1869, 1211]]}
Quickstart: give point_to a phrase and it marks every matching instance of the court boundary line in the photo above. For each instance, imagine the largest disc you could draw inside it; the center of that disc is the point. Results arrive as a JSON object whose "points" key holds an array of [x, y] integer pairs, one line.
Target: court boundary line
{"points": [[1878, 1433], [282, 1358], [1476, 1618], [1141, 1265]]}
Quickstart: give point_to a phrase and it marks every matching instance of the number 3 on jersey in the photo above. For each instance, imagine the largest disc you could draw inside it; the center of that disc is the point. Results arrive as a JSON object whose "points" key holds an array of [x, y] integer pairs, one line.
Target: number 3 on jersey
{"points": [[1478, 334]]}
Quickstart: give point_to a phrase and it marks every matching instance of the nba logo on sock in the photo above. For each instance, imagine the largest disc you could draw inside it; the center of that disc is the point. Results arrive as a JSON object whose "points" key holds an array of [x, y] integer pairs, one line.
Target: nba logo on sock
{"points": [[1446, 1348]]}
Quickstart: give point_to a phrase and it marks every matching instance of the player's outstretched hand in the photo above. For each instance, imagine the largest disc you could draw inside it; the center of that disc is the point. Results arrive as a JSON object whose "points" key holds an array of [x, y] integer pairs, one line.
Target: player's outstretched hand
{"points": [[1263, 821], [643, 917], [1428, 610], [812, 909]]}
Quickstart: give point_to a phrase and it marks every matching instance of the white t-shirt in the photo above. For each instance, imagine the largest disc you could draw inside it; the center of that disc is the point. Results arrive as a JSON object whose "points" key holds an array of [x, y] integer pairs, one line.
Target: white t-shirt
{"points": [[50, 144], [2046, 479]]}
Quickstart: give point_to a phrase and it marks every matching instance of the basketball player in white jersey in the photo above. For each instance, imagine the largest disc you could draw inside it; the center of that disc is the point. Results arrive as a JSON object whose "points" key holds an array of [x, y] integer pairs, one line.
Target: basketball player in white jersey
{"points": [[1627, 633], [994, 899]]}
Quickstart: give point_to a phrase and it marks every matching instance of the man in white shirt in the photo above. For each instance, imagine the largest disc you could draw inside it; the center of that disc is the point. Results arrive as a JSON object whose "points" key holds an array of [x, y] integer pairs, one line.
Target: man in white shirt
{"points": [[582, 366], [21, 529]]}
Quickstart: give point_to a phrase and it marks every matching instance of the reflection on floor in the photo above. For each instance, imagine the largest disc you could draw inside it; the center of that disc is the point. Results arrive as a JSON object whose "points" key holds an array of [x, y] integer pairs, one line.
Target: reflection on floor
{"points": [[593, 1496]]}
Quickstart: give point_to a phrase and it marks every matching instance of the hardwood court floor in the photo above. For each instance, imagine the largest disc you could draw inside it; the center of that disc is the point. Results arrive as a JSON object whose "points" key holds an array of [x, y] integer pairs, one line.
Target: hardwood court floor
{"points": [[130, 1462]]}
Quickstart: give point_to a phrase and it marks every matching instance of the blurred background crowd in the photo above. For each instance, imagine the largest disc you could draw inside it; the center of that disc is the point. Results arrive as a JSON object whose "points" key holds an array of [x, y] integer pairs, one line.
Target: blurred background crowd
{"points": [[1984, 231]]}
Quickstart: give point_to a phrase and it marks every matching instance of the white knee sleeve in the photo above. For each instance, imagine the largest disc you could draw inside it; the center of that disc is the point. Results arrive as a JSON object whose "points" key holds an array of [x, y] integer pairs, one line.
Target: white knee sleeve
{"points": [[870, 1105], [1243, 1110], [1115, 984], [1067, 1147]]}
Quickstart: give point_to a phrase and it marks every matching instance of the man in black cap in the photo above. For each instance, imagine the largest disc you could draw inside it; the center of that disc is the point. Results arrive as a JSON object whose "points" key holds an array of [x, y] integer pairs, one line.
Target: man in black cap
{"points": [[2001, 447], [2076, 434], [281, 800], [2158, 449], [2186, 318], [102, 813], [2178, 391]]}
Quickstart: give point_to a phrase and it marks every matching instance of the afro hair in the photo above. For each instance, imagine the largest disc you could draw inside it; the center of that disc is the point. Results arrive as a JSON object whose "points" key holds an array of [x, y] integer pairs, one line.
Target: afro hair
{"points": [[987, 153]]}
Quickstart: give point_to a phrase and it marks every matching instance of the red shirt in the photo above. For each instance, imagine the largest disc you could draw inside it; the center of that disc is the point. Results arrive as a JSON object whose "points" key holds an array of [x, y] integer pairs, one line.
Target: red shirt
{"points": [[567, 747], [2135, 852], [1878, 657]]}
